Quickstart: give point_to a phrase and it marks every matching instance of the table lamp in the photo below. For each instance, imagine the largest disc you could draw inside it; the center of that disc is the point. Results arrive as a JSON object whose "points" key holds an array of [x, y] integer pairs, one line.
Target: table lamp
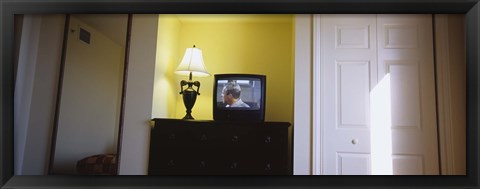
{"points": [[191, 65]]}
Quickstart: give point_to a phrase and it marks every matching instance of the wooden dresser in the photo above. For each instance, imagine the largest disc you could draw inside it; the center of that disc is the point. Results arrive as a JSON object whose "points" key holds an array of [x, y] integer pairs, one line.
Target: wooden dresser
{"points": [[191, 147]]}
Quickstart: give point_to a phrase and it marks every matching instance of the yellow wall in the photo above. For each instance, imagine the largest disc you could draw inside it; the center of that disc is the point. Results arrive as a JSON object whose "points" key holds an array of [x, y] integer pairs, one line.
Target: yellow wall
{"points": [[165, 86], [240, 46]]}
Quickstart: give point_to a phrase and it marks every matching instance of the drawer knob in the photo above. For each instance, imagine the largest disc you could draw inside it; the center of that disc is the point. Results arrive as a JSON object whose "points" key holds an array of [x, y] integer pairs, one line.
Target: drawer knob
{"points": [[171, 163], [172, 136], [268, 167], [234, 165], [268, 139], [203, 164], [203, 137], [235, 138]]}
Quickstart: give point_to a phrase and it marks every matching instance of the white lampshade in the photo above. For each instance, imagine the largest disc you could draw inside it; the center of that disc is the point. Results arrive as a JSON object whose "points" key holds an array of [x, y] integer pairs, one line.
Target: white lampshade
{"points": [[192, 62]]}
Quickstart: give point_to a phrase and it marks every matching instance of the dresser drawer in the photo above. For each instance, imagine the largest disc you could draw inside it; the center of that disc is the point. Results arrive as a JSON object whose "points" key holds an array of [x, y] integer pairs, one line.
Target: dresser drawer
{"points": [[180, 147]]}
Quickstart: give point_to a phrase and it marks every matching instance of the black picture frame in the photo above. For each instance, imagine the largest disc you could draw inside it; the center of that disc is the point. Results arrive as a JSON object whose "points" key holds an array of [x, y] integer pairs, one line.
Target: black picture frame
{"points": [[10, 7]]}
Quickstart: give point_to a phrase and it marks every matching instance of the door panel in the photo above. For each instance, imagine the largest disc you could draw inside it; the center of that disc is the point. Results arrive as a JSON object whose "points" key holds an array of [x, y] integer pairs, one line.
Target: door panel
{"points": [[408, 165], [353, 87], [405, 77], [400, 36], [361, 162], [352, 36]]}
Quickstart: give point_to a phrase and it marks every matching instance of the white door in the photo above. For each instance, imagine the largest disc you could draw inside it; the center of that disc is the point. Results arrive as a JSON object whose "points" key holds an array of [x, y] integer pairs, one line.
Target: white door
{"points": [[377, 105], [405, 53], [348, 57]]}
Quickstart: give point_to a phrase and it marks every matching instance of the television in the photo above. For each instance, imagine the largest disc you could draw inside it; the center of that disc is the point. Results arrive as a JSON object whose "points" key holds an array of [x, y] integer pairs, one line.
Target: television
{"points": [[239, 97]]}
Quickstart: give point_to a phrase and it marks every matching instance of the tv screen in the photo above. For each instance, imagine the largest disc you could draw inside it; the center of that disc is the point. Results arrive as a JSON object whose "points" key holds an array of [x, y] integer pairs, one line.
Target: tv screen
{"points": [[242, 93], [239, 97]]}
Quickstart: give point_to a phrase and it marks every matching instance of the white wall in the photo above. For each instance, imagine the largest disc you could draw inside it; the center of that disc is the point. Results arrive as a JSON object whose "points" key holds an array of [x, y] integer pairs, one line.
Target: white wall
{"points": [[138, 104], [35, 92], [90, 98]]}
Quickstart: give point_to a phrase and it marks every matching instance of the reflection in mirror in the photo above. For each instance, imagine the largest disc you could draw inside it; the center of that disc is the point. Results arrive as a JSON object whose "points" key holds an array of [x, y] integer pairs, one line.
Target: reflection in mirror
{"points": [[89, 104]]}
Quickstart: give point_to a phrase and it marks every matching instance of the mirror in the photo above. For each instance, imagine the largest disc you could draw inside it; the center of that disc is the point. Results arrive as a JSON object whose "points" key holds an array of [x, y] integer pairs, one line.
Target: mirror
{"points": [[89, 104]]}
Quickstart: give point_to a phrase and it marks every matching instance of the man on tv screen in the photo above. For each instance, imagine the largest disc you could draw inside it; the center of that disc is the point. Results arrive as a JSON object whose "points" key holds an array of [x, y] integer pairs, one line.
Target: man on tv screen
{"points": [[231, 95]]}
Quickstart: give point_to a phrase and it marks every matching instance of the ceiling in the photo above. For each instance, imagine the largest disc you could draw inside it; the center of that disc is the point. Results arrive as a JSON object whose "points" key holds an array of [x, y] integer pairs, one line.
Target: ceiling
{"points": [[114, 26], [244, 18]]}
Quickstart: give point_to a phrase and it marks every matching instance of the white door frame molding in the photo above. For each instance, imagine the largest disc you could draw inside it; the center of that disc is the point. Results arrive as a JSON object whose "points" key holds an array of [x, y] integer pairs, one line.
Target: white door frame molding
{"points": [[302, 132], [451, 123], [444, 120], [318, 104]]}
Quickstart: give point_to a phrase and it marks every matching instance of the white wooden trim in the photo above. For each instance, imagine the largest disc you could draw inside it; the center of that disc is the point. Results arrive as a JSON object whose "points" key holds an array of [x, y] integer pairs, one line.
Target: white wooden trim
{"points": [[442, 56], [24, 86], [302, 97], [450, 159], [139, 96], [317, 127]]}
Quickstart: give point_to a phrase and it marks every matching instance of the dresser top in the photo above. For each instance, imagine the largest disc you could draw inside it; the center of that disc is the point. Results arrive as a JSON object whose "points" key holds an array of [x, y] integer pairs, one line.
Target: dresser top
{"points": [[247, 123]]}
